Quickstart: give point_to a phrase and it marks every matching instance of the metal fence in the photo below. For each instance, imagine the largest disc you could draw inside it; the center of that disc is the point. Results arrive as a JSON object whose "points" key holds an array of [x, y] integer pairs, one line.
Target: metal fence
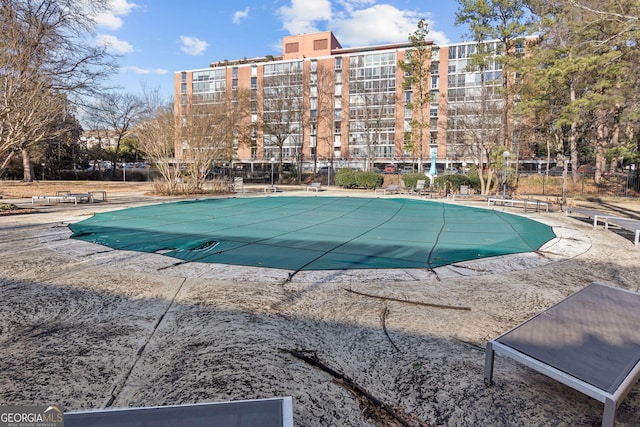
{"points": [[613, 185]]}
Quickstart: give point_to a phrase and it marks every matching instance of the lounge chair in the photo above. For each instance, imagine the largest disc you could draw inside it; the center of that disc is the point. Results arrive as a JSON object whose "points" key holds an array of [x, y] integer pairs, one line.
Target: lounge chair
{"points": [[391, 189], [589, 341]]}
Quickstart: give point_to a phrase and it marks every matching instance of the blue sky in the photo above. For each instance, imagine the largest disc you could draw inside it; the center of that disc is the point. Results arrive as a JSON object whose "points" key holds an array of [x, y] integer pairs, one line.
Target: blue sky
{"points": [[156, 38]]}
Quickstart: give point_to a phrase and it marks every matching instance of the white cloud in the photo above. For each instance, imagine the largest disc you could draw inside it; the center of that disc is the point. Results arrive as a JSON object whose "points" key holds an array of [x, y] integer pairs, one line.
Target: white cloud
{"points": [[139, 70], [240, 15], [193, 45], [111, 19], [302, 15], [356, 22], [380, 23], [114, 44]]}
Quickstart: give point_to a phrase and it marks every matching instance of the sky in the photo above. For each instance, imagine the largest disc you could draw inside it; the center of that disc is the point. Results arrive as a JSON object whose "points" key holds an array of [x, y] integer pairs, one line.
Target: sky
{"points": [[155, 38]]}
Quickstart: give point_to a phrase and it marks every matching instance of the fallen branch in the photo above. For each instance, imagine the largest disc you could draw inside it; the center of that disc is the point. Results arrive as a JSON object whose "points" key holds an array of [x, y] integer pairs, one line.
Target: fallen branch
{"points": [[426, 304], [355, 388], [383, 320]]}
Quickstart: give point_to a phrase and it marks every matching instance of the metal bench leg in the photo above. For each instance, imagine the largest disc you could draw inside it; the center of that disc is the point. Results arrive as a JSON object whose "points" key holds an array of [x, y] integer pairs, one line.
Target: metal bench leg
{"points": [[609, 416], [488, 364]]}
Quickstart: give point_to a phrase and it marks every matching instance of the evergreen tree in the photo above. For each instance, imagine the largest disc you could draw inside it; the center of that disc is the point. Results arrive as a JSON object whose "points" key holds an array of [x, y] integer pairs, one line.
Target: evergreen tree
{"points": [[417, 78]]}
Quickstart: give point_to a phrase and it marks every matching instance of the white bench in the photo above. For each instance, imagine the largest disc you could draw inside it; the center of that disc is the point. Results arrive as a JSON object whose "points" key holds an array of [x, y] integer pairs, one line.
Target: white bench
{"points": [[88, 197], [513, 202], [632, 225], [315, 186], [270, 189], [590, 213]]}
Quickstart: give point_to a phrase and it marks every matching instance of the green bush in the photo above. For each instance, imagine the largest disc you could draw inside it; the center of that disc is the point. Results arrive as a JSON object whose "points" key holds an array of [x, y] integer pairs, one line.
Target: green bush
{"points": [[348, 178], [345, 178], [411, 179], [368, 180], [453, 182]]}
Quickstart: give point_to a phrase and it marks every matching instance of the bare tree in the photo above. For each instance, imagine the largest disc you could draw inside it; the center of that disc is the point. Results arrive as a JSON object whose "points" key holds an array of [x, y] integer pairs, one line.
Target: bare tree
{"points": [[157, 134], [370, 121], [283, 110], [118, 112], [324, 122], [209, 136], [478, 124], [46, 60]]}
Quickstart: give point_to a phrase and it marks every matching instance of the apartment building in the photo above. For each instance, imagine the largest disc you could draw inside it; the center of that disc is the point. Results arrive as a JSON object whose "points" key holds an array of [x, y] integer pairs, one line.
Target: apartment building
{"points": [[321, 104]]}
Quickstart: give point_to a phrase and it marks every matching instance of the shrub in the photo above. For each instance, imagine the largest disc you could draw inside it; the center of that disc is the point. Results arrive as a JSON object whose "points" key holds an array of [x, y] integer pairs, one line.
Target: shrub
{"points": [[348, 178], [368, 180], [345, 178], [411, 179], [453, 182]]}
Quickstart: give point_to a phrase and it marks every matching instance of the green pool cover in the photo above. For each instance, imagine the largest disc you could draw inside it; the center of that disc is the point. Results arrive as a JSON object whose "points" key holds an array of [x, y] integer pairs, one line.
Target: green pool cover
{"points": [[316, 233]]}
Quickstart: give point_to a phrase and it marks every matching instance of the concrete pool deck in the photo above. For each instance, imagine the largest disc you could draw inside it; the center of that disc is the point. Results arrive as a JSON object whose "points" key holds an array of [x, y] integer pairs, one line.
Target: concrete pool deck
{"points": [[84, 326]]}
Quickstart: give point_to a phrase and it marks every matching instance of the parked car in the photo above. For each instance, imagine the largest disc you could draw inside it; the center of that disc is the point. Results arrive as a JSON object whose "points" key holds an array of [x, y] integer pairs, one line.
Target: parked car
{"points": [[406, 170], [390, 168], [451, 171]]}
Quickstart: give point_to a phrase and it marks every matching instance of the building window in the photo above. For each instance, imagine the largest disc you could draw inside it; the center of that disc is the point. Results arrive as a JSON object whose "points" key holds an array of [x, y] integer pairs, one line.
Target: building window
{"points": [[254, 82], [338, 63], [320, 44], [407, 97], [433, 112], [291, 47], [434, 82], [336, 127], [314, 66]]}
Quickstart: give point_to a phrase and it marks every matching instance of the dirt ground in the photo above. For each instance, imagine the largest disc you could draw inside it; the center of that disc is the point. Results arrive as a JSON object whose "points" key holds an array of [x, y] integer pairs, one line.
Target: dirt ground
{"points": [[84, 326]]}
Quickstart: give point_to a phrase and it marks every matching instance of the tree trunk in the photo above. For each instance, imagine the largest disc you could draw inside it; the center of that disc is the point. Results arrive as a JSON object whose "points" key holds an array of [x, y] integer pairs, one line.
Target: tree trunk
{"points": [[114, 167], [601, 148], [27, 175], [573, 137]]}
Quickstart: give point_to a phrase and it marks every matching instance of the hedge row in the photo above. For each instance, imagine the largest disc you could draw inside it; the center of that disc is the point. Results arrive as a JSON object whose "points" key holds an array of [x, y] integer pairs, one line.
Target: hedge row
{"points": [[349, 178]]}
